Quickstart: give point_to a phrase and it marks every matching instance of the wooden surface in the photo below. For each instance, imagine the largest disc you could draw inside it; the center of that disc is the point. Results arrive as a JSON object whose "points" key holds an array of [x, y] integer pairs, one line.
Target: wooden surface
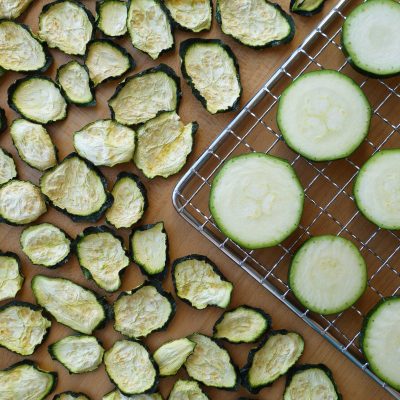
{"points": [[255, 67]]}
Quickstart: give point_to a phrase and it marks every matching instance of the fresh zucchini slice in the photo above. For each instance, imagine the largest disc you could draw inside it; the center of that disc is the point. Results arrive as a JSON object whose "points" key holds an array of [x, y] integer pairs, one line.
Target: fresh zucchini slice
{"points": [[306, 8], [198, 282], [20, 202], [75, 83], [11, 278], [243, 324], [255, 23], [3, 120], [324, 115], [143, 96], [34, 144], [376, 189], [38, 99], [111, 17], [187, 390], [69, 303], [71, 396], [328, 274], [277, 353], [149, 27], [380, 340], [66, 25], [102, 256], [256, 200], [130, 201], [212, 71], [131, 368], [117, 395], [211, 364], [23, 327], [77, 188], [12, 9], [172, 355], [105, 142], [143, 310], [8, 170], [78, 354]]}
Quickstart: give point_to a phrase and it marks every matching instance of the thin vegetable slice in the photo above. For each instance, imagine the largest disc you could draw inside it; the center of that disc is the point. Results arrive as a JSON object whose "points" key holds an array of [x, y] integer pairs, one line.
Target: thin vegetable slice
{"points": [[8, 170], [11, 277], [71, 396], [117, 395], [12, 9], [186, 390], [306, 8], [111, 17]]}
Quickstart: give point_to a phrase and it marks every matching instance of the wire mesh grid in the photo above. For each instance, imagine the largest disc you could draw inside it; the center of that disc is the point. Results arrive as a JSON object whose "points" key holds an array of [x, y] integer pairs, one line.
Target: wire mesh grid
{"points": [[329, 204]]}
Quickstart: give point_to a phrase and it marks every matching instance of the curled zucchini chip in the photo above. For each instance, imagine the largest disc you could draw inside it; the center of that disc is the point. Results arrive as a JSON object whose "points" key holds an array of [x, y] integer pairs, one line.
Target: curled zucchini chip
{"points": [[66, 25], [306, 8], [143, 96], [117, 395], [102, 256], [212, 71], [8, 170], [3, 118], [23, 327], [34, 144], [186, 390], [105, 142], [20, 202], [130, 201], [143, 310], [131, 368], [38, 99], [11, 278], [111, 17], [199, 282], [78, 354], [69, 303], [12, 9], [211, 364], [77, 188], [71, 396]]}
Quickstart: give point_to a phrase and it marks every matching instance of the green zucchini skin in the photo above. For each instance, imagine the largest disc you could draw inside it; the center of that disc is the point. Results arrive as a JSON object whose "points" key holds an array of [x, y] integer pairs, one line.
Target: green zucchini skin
{"points": [[3, 120], [17, 259], [99, 5], [72, 394], [307, 13]]}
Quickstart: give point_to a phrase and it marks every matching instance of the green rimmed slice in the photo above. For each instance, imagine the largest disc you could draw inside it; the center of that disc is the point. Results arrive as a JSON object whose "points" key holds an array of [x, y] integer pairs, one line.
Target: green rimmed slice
{"points": [[69, 395], [117, 395], [186, 390], [11, 277], [8, 169], [306, 8], [111, 17], [12, 9]]}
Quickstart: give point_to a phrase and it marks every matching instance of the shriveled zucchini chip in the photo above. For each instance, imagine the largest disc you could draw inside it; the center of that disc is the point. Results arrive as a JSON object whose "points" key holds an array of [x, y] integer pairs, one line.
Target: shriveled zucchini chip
{"points": [[78, 354], [143, 310], [69, 303], [131, 368], [66, 25], [77, 188], [38, 99], [117, 395], [211, 364], [172, 355], [34, 144], [3, 119], [277, 353], [187, 390], [306, 8], [130, 201], [105, 142], [143, 96], [12, 9], [102, 256], [8, 170], [111, 17], [20, 202], [199, 282], [11, 278], [71, 396], [212, 71]]}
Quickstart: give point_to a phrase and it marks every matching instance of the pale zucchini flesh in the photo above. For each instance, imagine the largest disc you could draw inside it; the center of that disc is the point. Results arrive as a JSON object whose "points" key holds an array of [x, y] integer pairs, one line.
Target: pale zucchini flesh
{"points": [[11, 278], [8, 169], [12, 9], [117, 395], [187, 390], [71, 396], [111, 17], [306, 7]]}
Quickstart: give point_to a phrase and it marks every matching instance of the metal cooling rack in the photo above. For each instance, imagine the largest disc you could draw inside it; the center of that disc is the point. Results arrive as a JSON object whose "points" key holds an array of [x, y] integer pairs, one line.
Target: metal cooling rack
{"points": [[329, 205]]}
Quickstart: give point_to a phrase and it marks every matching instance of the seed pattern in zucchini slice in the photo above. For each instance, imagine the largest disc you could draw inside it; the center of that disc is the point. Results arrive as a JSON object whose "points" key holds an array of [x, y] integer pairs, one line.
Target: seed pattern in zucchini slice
{"points": [[11, 277], [3, 120], [12, 9], [199, 283], [111, 17], [117, 395], [186, 390], [102, 256], [8, 169], [307, 8], [71, 396]]}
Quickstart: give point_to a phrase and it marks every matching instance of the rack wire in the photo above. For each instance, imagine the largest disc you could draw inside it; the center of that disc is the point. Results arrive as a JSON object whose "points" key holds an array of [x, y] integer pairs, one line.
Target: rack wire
{"points": [[329, 204]]}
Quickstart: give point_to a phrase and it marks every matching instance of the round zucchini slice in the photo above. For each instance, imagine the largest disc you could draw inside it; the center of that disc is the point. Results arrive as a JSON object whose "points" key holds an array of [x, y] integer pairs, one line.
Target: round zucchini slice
{"points": [[12, 9], [11, 278], [111, 17], [71, 396], [186, 390], [307, 8], [117, 395], [8, 170]]}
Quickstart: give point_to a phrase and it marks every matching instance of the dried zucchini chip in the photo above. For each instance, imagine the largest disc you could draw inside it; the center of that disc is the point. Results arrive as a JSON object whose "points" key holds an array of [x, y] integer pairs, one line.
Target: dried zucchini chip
{"points": [[11, 278], [8, 170], [187, 390], [306, 8], [111, 17], [117, 395], [12, 9], [71, 396]]}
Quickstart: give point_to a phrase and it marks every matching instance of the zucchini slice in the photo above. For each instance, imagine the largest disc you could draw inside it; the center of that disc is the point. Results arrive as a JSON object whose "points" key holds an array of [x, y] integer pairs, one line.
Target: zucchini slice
{"points": [[199, 282], [117, 395], [46, 245], [23, 327], [111, 17], [71, 396], [324, 115], [328, 274], [149, 27], [105, 142], [11, 278], [130, 201], [277, 353], [3, 119], [149, 249], [163, 145], [211, 364], [102, 256], [172, 355], [12, 9], [78, 354], [38, 99], [77, 188], [376, 189], [256, 200], [75, 83], [21, 202], [34, 144], [66, 25], [131, 368], [187, 390], [212, 71], [255, 23], [243, 324], [380, 340], [8, 170], [69, 303], [143, 96], [306, 8], [143, 310]]}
